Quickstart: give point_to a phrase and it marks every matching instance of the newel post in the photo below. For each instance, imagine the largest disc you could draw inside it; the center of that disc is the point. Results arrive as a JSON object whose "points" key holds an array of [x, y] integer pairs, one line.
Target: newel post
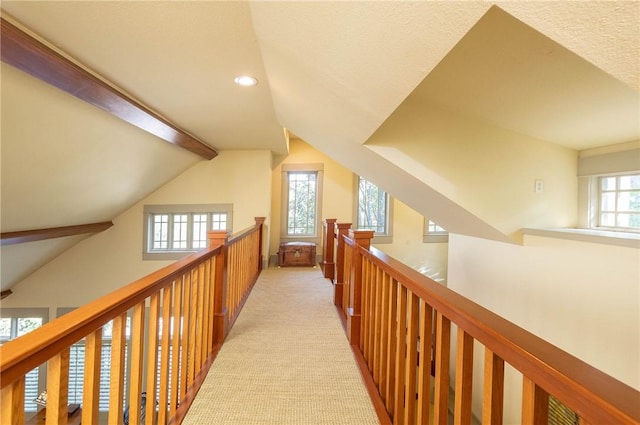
{"points": [[361, 238], [220, 313], [328, 264], [260, 223], [342, 230]]}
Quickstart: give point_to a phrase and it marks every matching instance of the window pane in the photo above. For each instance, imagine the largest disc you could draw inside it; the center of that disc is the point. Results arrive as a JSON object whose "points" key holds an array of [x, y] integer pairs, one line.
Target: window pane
{"points": [[219, 221], [199, 231], [434, 228], [630, 182], [608, 219], [608, 201], [179, 231], [5, 329], [372, 207], [608, 183], [160, 231], [301, 216], [629, 201], [27, 324]]}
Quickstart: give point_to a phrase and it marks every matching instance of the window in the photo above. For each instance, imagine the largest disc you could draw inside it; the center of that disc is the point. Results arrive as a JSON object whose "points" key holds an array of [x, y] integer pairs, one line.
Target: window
{"points": [[18, 322], [301, 209], [301, 201], [433, 233], [373, 210], [171, 231], [619, 202]]}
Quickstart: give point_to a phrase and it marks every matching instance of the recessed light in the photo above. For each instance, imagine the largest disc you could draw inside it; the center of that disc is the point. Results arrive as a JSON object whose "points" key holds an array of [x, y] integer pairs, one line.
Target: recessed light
{"points": [[245, 80]]}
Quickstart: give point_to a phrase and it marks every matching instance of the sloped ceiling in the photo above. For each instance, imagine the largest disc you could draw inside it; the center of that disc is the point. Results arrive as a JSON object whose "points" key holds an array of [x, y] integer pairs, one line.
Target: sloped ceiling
{"points": [[331, 72]]}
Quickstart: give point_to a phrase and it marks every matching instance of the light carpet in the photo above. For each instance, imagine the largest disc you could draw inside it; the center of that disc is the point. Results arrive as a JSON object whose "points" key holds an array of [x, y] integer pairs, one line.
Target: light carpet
{"points": [[286, 360]]}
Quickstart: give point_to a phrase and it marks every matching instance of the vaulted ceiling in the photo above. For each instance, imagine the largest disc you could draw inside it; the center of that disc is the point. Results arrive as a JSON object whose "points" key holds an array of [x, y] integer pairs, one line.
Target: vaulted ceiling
{"points": [[331, 72]]}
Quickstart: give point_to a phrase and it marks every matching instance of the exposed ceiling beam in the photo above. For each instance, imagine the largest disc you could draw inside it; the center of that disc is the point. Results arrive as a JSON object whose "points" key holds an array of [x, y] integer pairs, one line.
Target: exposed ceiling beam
{"points": [[11, 238], [28, 54]]}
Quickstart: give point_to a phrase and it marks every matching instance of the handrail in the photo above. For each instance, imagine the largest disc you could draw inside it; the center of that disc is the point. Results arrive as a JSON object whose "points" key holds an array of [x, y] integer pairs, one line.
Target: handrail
{"points": [[193, 291], [395, 315]]}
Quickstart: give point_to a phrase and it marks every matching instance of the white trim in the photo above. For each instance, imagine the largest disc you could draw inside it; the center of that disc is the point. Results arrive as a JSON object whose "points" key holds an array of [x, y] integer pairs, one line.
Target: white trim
{"points": [[628, 240]]}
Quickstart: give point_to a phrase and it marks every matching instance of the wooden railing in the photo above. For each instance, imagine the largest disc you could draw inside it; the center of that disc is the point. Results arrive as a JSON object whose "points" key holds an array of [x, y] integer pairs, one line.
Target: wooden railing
{"points": [[401, 326], [171, 322]]}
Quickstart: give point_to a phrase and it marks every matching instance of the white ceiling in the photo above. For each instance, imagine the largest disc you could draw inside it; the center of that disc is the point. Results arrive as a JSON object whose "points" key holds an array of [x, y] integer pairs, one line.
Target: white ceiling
{"points": [[331, 72]]}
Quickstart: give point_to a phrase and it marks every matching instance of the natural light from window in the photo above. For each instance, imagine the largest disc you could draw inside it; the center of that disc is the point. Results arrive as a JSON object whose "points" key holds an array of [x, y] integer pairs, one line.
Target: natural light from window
{"points": [[619, 202]]}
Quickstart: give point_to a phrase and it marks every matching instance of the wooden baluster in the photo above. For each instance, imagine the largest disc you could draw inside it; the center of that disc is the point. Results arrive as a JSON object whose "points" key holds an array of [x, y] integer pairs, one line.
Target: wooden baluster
{"points": [[361, 238], [424, 375], [116, 378], [392, 347], [184, 341], [493, 393], [208, 317], [365, 316], [260, 223], [12, 403], [220, 312], [342, 229], [137, 349], [328, 245], [443, 348], [165, 351], [152, 359], [401, 349], [58, 388], [377, 324], [200, 350], [91, 389], [384, 334], [176, 339], [193, 323], [464, 379], [535, 403], [411, 368]]}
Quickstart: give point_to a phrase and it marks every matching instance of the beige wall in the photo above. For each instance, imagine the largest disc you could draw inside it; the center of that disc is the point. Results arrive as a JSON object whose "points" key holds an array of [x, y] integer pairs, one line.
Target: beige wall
{"points": [[582, 297], [487, 170], [113, 258], [429, 259]]}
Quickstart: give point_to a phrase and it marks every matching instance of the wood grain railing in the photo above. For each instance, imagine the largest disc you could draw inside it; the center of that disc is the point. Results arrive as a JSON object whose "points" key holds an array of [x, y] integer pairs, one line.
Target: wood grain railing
{"points": [[170, 324], [405, 327]]}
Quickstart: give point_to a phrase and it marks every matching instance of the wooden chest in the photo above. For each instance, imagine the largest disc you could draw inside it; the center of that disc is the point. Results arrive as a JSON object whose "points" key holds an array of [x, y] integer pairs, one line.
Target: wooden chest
{"points": [[297, 254]]}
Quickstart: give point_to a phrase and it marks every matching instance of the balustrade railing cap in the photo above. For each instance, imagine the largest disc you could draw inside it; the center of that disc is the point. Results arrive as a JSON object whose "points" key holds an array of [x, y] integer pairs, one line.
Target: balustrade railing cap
{"points": [[361, 234]]}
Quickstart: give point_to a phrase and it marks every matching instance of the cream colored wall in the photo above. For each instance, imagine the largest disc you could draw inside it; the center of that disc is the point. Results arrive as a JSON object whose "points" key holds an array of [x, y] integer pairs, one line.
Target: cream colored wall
{"points": [[113, 258], [428, 258], [337, 187], [581, 297], [487, 170], [337, 202]]}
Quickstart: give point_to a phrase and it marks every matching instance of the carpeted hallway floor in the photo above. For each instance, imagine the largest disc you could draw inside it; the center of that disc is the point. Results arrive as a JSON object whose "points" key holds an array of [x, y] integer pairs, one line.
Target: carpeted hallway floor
{"points": [[286, 360]]}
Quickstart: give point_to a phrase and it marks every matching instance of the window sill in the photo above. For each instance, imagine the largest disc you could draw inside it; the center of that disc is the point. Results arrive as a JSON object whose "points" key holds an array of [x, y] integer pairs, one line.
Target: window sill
{"points": [[435, 238], [628, 240]]}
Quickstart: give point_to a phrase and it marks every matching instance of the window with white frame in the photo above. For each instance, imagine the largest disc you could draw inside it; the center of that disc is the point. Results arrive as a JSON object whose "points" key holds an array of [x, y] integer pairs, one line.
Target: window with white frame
{"points": [[301, 210], [618, 202], [171, 231], [373, 210], [301, 201], [433, 233], [13, 324]]}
